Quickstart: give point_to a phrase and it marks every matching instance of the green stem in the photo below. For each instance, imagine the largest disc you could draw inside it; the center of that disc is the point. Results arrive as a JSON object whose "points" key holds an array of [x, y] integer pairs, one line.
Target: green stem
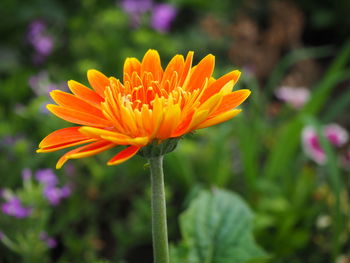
{"points": [[159, 225]]}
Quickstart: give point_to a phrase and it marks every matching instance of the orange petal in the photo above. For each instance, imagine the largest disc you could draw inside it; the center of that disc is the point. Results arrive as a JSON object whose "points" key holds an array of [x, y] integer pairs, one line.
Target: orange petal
{"points": [[124, 155], [170, 122], [176, 64], [137, 141], [77, 117], [151, 63], [157, 115], [186, 70], [232, 100], [131, 65], [61, 136], [98, 81], [73, 102], [63, 146], [218, 119], [217, 85], [114, 137], [212, 104], [97, 133], [84, 151], [198, 117], [84, 92], [203, 71], [183, 126]]}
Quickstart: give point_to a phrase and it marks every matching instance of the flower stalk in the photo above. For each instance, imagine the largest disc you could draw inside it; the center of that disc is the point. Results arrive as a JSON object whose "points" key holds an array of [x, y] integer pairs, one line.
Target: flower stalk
{"points": [[159, 222]]}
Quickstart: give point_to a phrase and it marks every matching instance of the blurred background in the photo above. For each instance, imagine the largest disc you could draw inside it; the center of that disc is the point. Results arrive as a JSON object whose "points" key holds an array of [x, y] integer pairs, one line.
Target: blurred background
{"points": [[287, 155]]}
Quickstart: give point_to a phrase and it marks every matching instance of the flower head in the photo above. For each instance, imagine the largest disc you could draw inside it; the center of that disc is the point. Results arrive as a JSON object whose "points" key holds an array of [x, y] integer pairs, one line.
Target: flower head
{"points": [[136, 6], [149, 105], [135, 9], [14, 207], [46, 177], [55, 194], [162, 17], [312, 145], [40, 40], [49, 241], [294, 96], [334, 133]]}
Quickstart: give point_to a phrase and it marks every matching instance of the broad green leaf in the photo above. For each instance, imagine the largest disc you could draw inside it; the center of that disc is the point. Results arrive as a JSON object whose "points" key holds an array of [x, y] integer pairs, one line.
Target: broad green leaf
{"points": [[217, 228]]}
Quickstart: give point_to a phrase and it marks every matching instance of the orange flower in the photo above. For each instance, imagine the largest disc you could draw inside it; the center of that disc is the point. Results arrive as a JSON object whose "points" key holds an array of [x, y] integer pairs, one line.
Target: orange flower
{"points": [[151, 104]]}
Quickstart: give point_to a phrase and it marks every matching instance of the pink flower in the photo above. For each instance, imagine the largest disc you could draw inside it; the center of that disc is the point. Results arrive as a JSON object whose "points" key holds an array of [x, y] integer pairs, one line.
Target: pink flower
{"points": [[335, 134], [312, 146], [296, 97]]}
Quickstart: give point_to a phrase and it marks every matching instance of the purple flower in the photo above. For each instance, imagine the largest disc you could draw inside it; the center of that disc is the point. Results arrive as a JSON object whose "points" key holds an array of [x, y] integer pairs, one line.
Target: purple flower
{"points": [[55, 194], [51, 191], [46, 177], [66, 191], [296, 97], [40, 40], [50, 242], [13, 207], [35, 28], [26, 174], [162, 17], [44, 45], [136, 7]]}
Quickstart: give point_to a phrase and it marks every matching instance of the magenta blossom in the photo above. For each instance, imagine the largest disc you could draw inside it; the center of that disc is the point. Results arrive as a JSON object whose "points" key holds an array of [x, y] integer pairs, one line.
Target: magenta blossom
{"points": [[162, 17], [136, 6], [14, 207], [55, 194], [47, 177], [135, 9], [40, 40], [50, 242], [51, 191], [335, 134], [312, 146], [294, 96]]}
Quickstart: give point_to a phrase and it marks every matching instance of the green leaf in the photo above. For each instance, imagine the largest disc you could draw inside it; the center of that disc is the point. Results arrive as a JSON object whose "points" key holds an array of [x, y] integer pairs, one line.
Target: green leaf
{"points": [[217, 228]]}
